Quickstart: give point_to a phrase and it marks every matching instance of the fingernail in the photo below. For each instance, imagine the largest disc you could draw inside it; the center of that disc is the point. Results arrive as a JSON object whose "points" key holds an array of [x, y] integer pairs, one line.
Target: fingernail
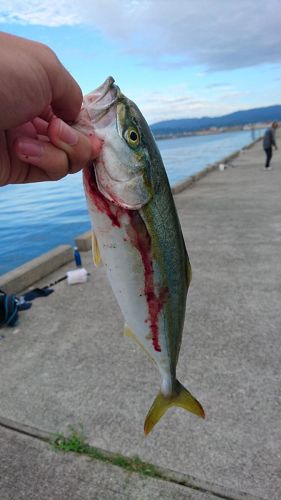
{"points": [[27, 147], [67, 134]]}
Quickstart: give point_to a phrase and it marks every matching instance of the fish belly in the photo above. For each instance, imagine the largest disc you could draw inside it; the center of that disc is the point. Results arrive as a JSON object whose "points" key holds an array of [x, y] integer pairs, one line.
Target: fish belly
{"points": [[125, 272]]}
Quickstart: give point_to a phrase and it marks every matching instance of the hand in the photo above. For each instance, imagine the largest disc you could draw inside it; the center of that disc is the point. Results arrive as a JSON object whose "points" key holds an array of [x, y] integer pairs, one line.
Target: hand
{"points": [[37, 97]]}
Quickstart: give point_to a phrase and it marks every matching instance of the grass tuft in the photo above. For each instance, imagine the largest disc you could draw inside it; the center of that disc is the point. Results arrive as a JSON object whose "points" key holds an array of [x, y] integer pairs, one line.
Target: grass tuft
{"points": [[76, 443]]}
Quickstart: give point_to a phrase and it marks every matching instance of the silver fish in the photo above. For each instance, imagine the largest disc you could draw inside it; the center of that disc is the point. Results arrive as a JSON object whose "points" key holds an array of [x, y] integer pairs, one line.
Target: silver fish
{"points": [[138, 236]]}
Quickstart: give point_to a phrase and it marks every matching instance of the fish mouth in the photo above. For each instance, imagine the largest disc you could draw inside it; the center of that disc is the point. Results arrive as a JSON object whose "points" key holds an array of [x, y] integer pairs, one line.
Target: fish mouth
{"points": [[104, 97], [104, 88]]}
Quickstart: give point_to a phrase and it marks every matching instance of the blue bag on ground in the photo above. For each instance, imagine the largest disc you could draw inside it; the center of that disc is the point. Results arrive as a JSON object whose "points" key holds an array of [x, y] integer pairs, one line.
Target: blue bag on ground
{"points": [[8, 309]]}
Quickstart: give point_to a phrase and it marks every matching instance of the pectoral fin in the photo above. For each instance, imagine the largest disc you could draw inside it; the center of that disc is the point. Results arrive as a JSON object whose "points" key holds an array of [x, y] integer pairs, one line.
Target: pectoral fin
{"points": [[95, 250]]}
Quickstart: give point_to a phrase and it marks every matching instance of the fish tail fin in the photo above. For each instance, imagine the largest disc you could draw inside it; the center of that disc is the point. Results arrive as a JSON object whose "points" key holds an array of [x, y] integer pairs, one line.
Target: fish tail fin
{"points": [[180, 397]]}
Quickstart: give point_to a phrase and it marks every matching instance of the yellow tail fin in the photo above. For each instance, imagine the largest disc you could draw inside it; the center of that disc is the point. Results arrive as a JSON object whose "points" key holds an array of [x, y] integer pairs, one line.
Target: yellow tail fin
{"points": [[181, 398]]}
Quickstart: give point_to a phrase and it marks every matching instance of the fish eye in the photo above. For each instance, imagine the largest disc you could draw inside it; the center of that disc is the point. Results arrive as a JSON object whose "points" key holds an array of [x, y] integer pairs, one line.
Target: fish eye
{"points": [[132, 137]]}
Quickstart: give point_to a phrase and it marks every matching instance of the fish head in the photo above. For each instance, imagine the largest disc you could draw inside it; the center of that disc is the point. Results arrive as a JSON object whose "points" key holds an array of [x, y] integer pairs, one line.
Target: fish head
{"points": [[123, 167]]}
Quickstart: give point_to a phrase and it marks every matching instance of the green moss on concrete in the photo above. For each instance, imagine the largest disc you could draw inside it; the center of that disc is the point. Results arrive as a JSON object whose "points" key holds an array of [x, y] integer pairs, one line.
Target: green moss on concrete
{"points": [[76, 443]]}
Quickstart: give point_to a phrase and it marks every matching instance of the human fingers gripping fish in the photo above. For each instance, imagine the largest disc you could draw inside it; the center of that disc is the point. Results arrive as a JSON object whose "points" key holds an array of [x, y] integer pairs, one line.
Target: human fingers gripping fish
{"points": [[137, 235]]}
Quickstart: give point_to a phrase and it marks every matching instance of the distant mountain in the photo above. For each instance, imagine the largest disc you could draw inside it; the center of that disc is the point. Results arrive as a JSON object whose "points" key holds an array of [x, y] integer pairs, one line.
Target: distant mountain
{"points": [[249, 116]]}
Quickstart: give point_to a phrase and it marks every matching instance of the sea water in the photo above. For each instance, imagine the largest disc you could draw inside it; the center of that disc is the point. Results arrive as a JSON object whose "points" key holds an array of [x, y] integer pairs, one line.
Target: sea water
{"points": [[35, 218]]}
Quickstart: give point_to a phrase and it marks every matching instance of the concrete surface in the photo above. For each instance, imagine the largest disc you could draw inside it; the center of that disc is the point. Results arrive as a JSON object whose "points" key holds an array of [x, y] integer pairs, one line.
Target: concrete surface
{"points": [[67, 362], [23, 276], [84, 241], [30, 469], [186, 183]]}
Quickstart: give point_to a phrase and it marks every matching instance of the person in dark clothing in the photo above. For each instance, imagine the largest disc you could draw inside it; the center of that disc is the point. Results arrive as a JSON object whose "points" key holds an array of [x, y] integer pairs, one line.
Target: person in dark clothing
{"points": [[268, 142]]}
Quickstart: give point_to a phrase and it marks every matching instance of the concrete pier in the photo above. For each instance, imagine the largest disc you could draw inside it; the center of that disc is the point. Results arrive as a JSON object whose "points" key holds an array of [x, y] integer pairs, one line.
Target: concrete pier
{"points": [[67, 365]]}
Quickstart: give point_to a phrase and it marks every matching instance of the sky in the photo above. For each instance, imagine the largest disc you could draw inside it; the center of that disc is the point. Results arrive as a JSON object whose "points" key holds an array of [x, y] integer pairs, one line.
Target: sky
{"points": [[174, 58]]}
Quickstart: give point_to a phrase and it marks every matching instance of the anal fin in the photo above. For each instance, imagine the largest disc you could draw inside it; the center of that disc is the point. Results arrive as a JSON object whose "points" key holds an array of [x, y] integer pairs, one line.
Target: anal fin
{"points": [[128, 332]]}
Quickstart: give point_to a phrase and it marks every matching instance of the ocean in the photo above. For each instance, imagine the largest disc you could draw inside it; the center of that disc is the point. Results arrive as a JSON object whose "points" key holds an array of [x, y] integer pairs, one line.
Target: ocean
{"points": [[35, 218]]}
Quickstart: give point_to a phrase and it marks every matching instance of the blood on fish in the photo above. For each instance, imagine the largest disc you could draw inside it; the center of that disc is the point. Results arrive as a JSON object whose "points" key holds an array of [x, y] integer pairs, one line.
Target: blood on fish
{"points": [[101, 203], [142, 241], [140, 238]]}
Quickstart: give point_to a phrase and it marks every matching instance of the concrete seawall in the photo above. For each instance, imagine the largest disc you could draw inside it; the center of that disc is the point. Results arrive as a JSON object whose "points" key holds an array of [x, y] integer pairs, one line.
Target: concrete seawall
{"points": [[24, 276], [185, 183]]}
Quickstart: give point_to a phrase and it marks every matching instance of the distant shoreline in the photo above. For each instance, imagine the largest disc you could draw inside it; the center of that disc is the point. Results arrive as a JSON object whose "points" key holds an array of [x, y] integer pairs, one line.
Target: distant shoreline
{"points": [[212, 131]]}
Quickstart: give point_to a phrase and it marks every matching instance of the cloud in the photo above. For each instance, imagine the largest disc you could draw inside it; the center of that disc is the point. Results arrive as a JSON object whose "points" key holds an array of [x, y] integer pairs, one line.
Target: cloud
{"points": [[218, 86], [46, 13], [158, 106], [233, 94], [216, 35]]}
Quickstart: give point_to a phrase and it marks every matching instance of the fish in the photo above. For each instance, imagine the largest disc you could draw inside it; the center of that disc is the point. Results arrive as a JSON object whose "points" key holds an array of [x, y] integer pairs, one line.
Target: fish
{"points": [[138, 237]]}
